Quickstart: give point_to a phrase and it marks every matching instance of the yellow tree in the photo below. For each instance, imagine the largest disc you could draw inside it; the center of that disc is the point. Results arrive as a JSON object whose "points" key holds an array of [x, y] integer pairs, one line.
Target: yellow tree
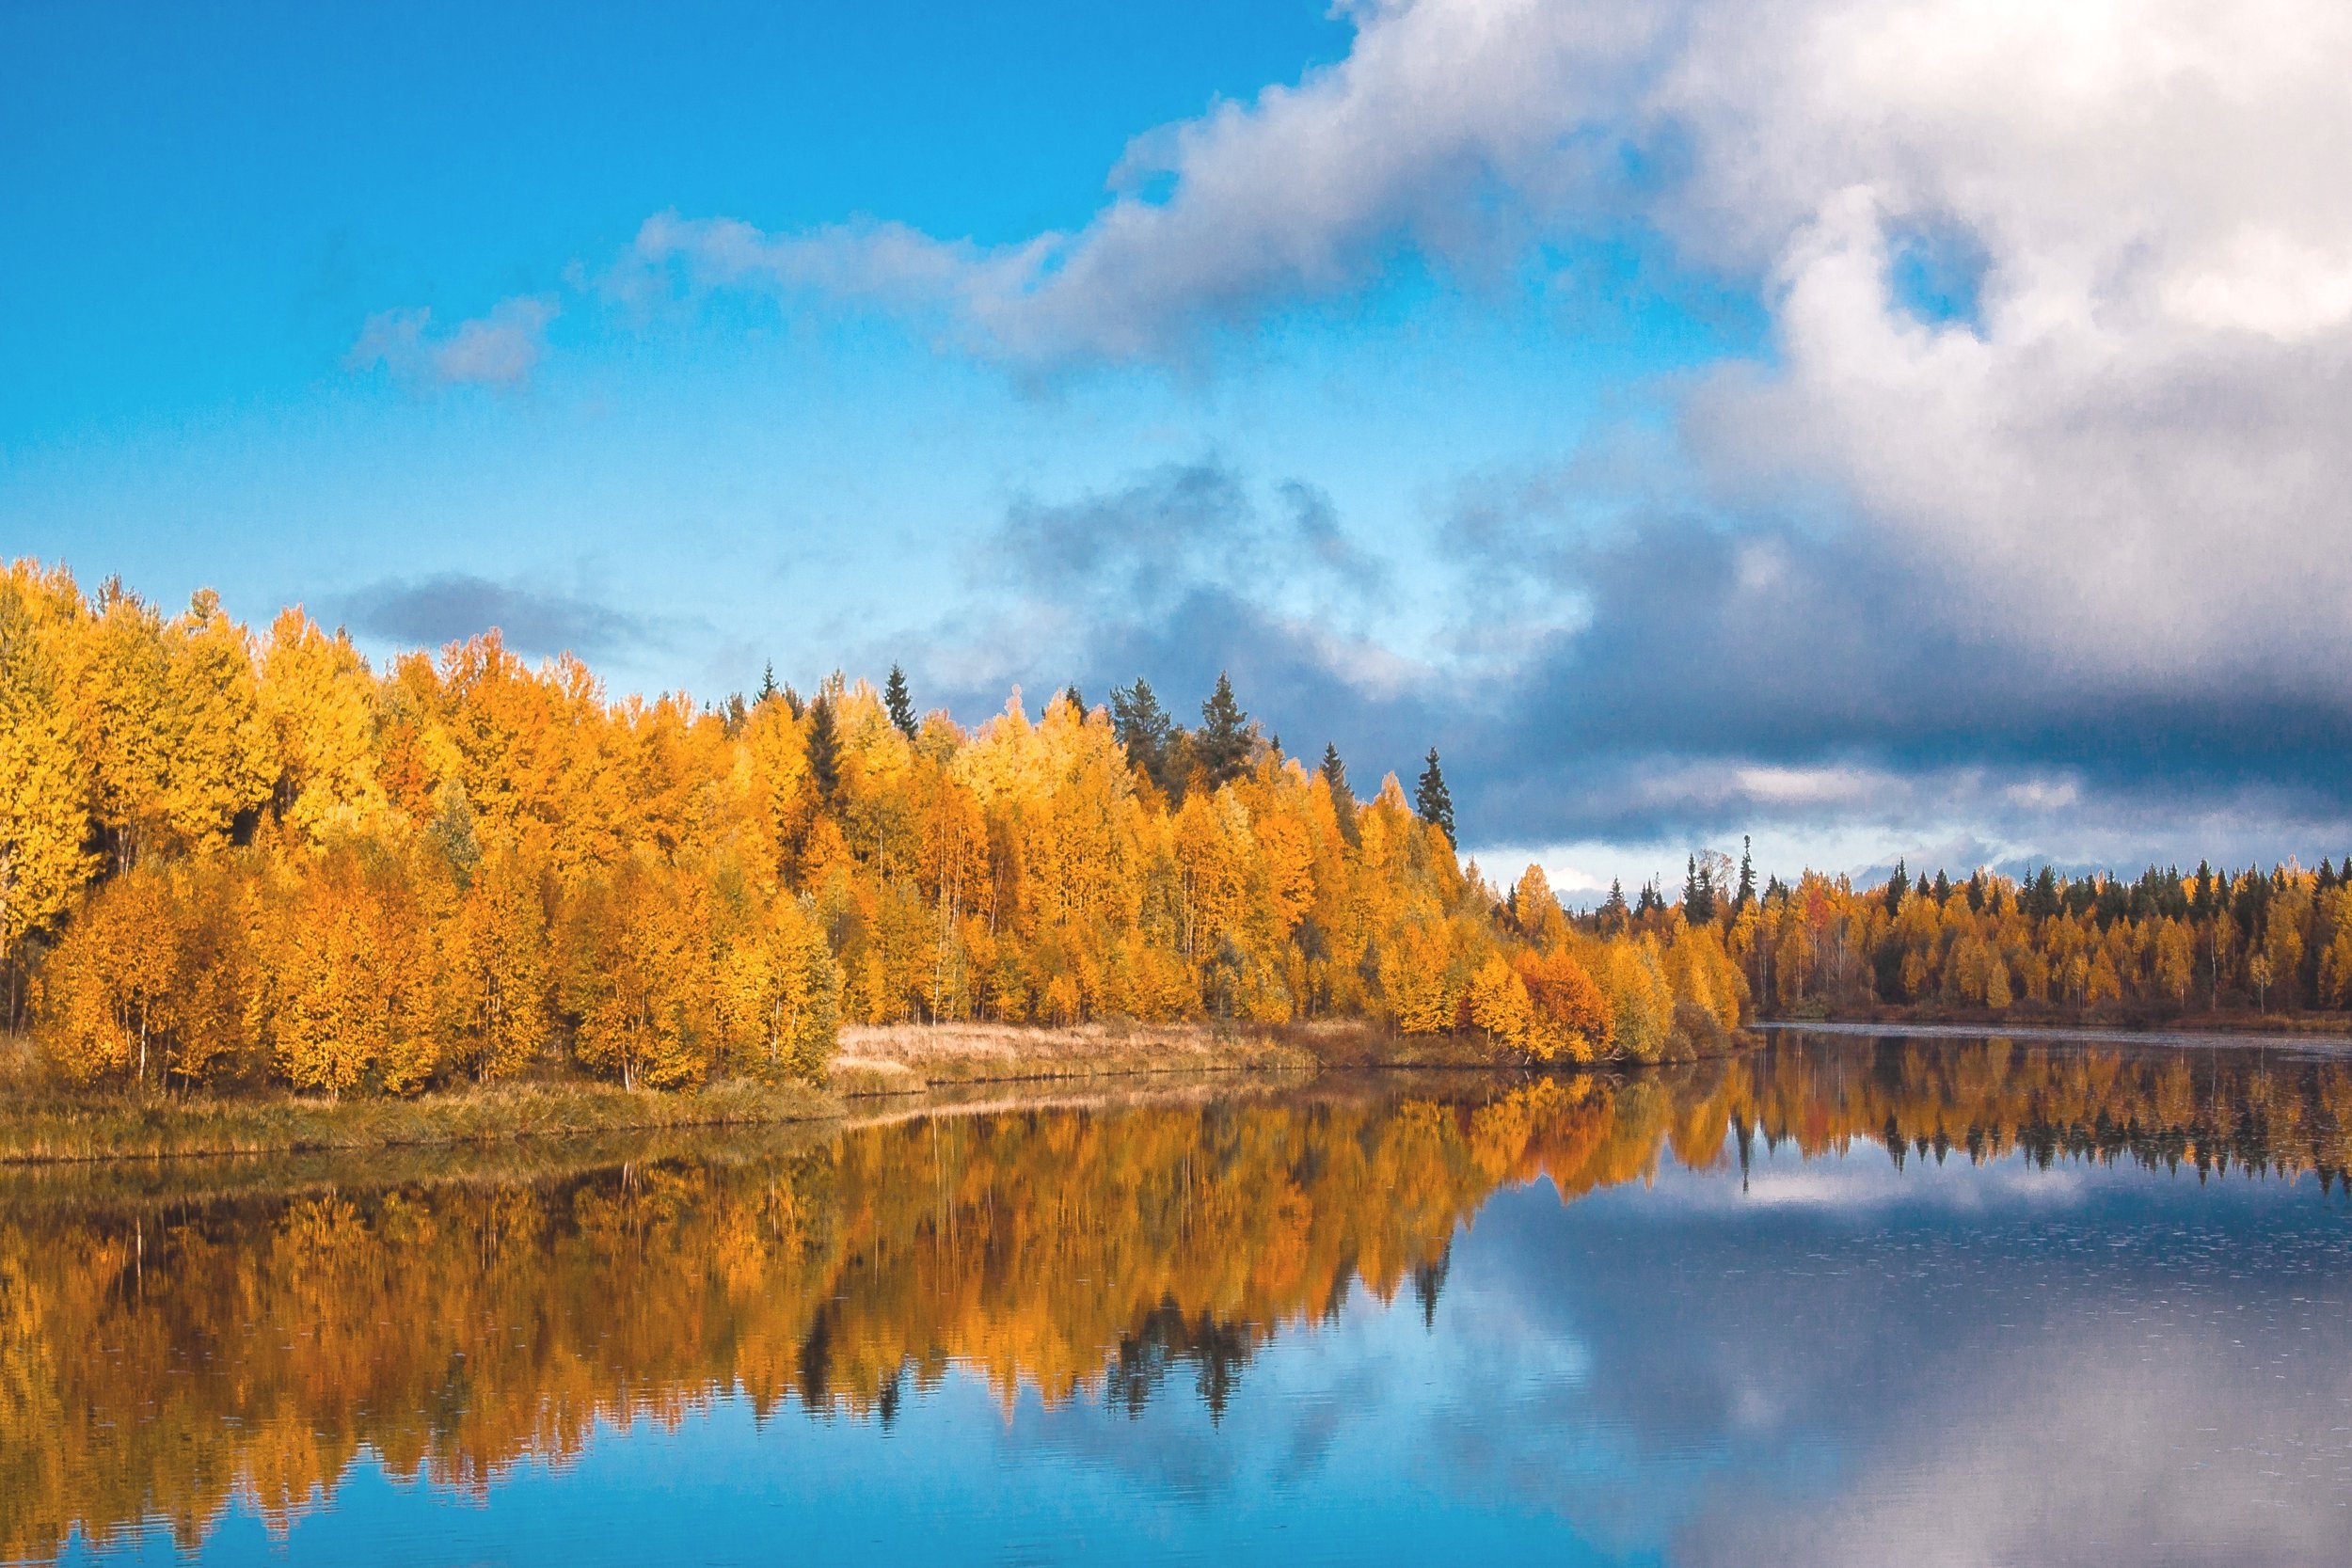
{"points": [[320, 703], [780, 993], [496, 988], [45, 820], [105, 996], [638, 978], [349, 994], [120, 681], [216, 761]]}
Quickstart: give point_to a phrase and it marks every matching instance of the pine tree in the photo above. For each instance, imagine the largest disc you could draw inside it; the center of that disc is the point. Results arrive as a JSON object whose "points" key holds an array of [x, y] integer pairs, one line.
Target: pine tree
{"points": [[1432, 802], [900, 703], [1226, 738], [1343, 798], [825, 751], [1145, 729]]}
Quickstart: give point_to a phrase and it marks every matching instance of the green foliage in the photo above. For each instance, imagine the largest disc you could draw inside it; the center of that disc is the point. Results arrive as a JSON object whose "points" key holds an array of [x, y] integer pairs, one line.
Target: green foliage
{"points": [[1432, 802]]}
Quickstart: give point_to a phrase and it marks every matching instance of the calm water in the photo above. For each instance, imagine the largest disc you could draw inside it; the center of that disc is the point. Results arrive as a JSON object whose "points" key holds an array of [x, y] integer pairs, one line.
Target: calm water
{"points": [[1846, 1300]]}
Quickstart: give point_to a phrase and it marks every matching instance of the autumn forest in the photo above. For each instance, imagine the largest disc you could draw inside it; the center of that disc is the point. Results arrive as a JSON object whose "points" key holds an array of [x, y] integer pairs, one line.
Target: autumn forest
{"points": [[239, 860]]}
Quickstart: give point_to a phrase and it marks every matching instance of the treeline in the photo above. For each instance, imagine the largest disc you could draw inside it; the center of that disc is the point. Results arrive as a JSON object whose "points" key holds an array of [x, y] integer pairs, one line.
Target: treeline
{"points": [[2166, 944], [235, 860]]}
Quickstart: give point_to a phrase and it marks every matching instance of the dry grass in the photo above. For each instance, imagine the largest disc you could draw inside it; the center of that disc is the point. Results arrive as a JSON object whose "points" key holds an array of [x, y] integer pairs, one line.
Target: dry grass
{"points": [[39, 1124], [58, 1126], [911, 1058]]}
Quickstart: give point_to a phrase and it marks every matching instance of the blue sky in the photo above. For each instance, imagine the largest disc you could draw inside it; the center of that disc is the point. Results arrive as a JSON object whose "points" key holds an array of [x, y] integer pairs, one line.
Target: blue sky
{"points": [[1694, 421]]}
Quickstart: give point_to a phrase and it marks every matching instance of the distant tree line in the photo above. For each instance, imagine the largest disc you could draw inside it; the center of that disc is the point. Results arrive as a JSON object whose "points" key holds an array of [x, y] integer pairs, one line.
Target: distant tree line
{"points": [[2167, 944]]}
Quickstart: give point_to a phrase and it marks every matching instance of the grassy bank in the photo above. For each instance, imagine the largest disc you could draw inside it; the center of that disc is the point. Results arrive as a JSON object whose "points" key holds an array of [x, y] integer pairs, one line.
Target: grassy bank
{"points": [[40, 1123], [49, 1127]]}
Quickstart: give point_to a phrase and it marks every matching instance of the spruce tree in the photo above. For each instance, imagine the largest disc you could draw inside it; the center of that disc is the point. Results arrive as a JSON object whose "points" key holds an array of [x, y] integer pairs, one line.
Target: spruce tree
{"points": [[1746, 894], [1077, 703], [825, 751], [1342, 797], [900, 703], [1145, 730], [767, 683], [1897, 885], [1432, 802], [1225, 737]]}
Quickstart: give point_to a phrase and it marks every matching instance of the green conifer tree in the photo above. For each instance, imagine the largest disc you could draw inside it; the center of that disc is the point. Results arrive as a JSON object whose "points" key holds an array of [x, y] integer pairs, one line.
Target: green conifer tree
{"points": [[824, 749], [1226, 738], [900, 703], [1432, 800], [1145, 729]]}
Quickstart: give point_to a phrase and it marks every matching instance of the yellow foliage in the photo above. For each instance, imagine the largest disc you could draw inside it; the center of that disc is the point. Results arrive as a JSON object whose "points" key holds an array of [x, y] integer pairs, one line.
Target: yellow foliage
{"points": [[1498, 1003], [43, 820]]}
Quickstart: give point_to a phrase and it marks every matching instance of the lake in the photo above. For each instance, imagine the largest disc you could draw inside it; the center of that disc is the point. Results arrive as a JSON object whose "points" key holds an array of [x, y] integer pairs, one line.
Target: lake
{"points": [[1848, 1298]]}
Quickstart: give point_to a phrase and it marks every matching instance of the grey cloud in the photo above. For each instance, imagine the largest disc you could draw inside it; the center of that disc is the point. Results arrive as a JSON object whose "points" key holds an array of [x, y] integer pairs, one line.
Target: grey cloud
{"points": [[1143, 545], [1166, 527], [1315, 524], [429, 611], [1773, 674], [1658, 678], [1176, 576]]}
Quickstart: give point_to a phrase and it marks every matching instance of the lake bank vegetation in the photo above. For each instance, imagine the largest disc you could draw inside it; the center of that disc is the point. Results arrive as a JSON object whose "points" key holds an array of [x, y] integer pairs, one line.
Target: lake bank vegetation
{"points": [[2201, 949], [249, 863]]}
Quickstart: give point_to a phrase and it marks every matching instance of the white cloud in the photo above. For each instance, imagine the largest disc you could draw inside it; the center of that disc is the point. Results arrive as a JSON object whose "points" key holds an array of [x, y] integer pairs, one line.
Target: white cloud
{"points": [[2126, 460], [1441, 104], [496, 349], [2130, 457]]}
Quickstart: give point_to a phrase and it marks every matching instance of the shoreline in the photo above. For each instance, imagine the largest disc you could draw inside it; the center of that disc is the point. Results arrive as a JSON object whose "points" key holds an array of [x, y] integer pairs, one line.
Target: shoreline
{"points": [[2320, 1042], [899, 1070]]}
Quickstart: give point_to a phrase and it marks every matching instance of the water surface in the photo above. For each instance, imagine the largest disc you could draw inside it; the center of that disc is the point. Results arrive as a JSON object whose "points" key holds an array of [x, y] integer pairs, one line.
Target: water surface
{"points": [[1841, 1300]]}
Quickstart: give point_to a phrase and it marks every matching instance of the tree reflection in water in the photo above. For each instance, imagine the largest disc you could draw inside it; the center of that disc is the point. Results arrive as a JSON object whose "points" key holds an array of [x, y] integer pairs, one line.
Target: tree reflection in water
{"points": [[250, 1332]]}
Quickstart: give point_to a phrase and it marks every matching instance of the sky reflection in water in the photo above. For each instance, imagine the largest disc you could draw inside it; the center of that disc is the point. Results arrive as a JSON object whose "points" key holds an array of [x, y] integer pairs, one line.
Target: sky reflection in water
{"points": [[1379, 1329]]}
